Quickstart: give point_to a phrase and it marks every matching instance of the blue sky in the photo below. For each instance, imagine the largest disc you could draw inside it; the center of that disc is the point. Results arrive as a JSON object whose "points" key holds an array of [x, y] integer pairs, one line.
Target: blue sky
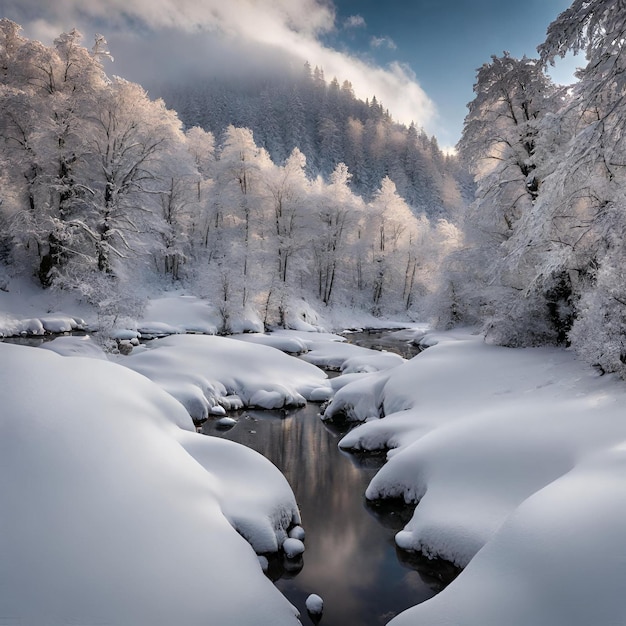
{"points": [[419, 57], [444, 42]]}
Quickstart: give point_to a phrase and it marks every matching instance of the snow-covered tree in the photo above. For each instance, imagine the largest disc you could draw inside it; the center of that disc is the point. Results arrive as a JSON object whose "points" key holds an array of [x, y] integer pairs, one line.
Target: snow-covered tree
{"points": [[388, 231], [286, 188], [240, 229], [583, 218], [502, 142], [133, 138], [335, 217]]}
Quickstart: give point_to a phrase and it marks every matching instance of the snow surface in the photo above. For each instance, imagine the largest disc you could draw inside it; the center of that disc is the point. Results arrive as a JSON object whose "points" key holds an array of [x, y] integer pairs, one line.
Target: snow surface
{"points": [[174, 314], [75, 346], [206, 371], [26, 309], [111, 514], [291, 344], [517, 459], [348, 358], [293, 547]]}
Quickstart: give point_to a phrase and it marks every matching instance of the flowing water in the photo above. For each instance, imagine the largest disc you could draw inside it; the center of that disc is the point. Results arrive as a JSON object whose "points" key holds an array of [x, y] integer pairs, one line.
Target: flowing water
{"points": [[350, 560]]}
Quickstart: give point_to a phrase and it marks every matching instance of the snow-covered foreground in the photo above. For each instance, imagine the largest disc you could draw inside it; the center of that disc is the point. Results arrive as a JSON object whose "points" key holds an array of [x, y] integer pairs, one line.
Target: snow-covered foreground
{"points": [[115, 512], [208, 373], [517, 459], [111, 500]]}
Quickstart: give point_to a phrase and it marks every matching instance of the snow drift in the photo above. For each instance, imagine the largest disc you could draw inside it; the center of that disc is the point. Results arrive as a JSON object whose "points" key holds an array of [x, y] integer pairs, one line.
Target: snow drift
{"points": [[113, 514], [515, 459]]}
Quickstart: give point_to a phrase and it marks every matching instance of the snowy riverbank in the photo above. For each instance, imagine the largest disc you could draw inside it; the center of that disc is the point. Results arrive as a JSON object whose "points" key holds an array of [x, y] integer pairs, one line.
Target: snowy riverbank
{"points": [[516, 457]]}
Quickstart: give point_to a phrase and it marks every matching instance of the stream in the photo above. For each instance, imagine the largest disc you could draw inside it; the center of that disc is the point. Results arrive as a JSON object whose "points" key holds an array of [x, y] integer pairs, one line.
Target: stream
{"points": [[351, 560]]}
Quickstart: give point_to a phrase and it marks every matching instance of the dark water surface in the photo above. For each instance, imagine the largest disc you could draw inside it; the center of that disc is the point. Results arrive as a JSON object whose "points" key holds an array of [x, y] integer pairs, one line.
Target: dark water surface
{"points": [[398, 341], [350, 560]]}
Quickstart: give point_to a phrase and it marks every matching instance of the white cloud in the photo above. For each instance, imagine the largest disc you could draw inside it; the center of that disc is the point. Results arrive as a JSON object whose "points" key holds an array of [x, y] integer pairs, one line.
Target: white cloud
{"points": [[355, 21], [287, 28], [378, 42]]}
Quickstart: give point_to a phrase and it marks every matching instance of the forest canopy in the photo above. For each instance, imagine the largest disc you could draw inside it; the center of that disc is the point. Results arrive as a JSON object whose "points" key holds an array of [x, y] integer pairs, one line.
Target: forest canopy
{"points": [[254, 197]]}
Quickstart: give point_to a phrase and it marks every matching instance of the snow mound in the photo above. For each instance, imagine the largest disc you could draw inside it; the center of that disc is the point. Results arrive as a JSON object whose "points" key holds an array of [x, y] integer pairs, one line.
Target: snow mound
{"points": [[53, 324], [253, 495], [285, 343], [476, 430], [75, 346], [178, 314], [348, 358], [203, 371], [530, 571], [297, 532], [107, 504]]}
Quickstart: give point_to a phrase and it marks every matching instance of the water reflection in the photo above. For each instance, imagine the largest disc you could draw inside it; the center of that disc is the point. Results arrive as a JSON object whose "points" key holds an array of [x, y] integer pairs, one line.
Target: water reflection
{"points": [[351, 558], [397, 341]]}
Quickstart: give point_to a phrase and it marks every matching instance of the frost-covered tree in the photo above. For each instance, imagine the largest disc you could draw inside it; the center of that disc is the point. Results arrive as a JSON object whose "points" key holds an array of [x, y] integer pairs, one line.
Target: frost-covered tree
{"points": [[241, 227], [201, 146], [45, 121], [287, 188], [388, 231], [502, 142], [499, 140], [583, 218], [335, 217], [133, 139], [103, 193]]}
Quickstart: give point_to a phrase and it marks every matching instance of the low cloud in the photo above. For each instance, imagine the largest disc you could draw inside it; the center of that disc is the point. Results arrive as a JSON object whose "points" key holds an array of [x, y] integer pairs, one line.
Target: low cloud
{"points": [[207, 32]]}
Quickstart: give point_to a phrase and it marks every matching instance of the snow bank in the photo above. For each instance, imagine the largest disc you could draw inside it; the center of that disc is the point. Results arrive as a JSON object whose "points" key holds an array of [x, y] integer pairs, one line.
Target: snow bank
{"points": [[348, 358], [75, 346], [107, 515], [486, 438], [205, 371], [291, 344], [174, 314], [253, 495], [26, 309], [477, 429], [178, 314], [558, 559], [59, 323]]}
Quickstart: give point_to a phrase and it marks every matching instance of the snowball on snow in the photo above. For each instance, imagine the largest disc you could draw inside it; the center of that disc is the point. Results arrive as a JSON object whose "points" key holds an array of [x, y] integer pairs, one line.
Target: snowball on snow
{"points": [[293, 547], [297, 532]]}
